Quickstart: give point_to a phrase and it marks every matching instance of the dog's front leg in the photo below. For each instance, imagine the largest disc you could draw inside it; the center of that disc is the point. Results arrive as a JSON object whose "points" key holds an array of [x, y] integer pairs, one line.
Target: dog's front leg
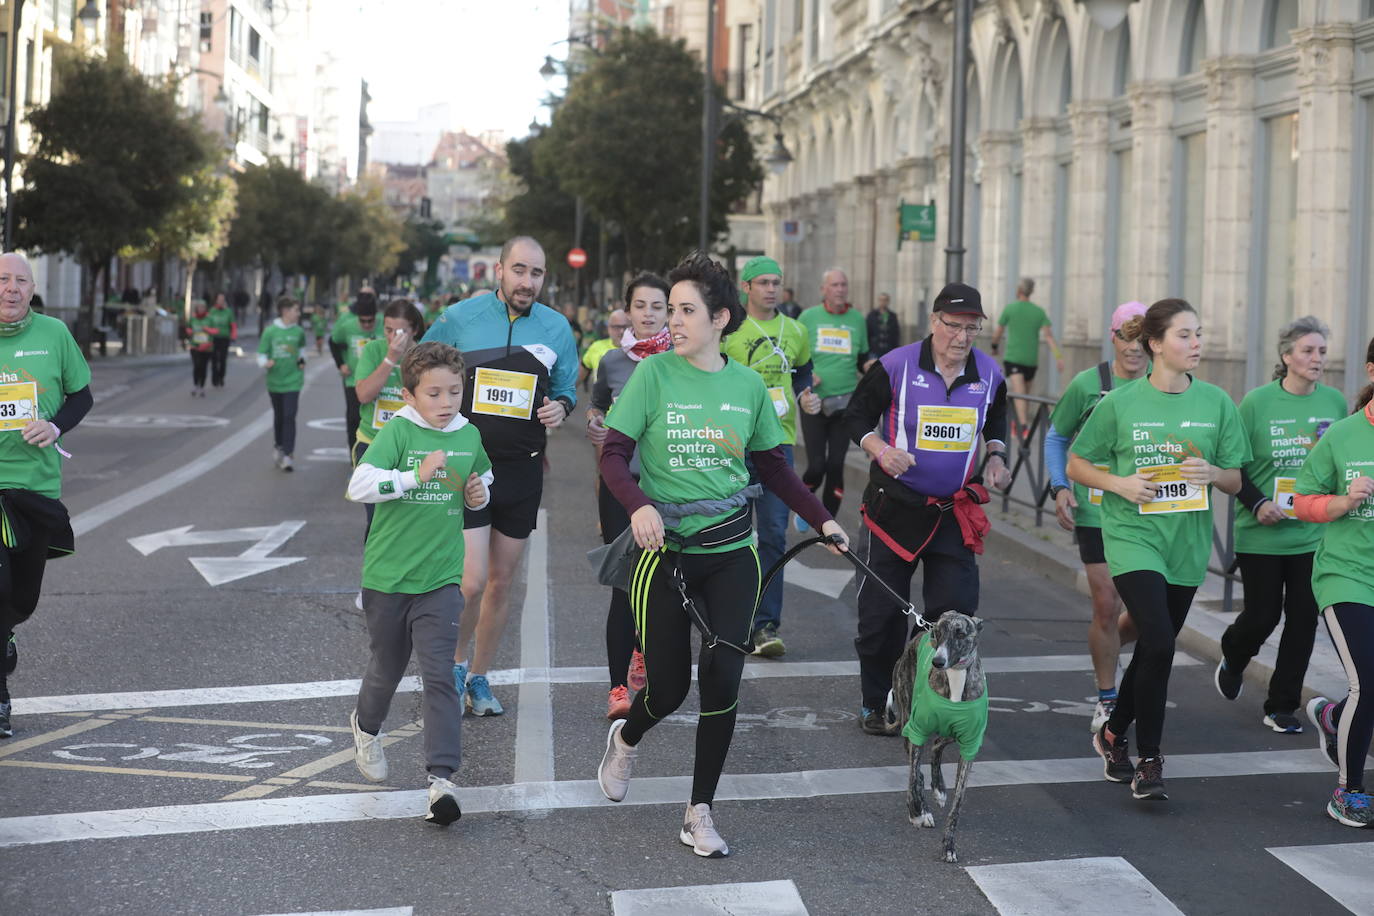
{"points": [[918, 812], [952, 820], [937, 770]]}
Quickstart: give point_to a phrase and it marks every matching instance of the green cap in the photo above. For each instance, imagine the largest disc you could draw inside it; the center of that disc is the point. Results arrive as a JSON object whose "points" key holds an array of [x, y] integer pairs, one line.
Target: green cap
{"points": [[757, 267]]}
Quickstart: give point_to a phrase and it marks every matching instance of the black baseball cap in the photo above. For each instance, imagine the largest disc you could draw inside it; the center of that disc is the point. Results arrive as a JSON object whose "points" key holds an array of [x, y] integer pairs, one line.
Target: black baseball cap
{"points": [[959, 299]]}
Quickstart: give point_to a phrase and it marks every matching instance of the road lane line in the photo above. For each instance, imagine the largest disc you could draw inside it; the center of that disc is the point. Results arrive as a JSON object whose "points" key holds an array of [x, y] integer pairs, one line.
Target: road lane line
{"points": [[390, 911], [23, 744], [108, 511], [586, 793], [534, 703], [1070, 887], [122, 771], [316, 767], [756, 898], [311, 690], [1340, 870]]}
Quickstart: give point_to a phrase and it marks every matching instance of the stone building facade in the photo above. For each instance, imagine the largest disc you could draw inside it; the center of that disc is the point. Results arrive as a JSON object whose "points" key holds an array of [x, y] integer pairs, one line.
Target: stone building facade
{"points": [[1218, 150]]}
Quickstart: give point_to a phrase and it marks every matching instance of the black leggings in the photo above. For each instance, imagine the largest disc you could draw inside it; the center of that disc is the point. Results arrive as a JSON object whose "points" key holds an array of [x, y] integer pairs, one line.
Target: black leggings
{"points": [[827, 441], [352, 411], [620, 623], [219, 362], [1274, 586], [200, 361], [725, 588], [1352, 631], [21, 582], [284, 405], [1158, 610]]}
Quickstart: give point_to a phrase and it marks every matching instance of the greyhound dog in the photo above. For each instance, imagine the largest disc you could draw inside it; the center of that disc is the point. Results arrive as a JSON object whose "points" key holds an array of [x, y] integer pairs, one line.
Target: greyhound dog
{"points": [[951, 705]]}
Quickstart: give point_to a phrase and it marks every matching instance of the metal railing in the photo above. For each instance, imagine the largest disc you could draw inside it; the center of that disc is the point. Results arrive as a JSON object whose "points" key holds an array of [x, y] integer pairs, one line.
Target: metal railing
{"points": [[1030, 488]]}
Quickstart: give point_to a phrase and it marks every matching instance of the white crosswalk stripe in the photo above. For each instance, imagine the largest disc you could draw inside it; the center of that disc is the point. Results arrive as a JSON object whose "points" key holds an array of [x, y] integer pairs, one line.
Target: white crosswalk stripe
{"points": [[759, 898], [1344, 871], [1066, 887]]}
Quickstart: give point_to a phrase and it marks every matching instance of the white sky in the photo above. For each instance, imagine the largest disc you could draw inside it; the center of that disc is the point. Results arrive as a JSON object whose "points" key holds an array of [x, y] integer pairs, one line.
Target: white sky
{"points": [[480, 56]]}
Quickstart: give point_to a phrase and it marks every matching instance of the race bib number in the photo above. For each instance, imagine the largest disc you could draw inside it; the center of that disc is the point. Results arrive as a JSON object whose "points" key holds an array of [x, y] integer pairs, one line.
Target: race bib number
{"points": [[779, 398], [18, 405], [834, 340], [386, 408], [1094, 494], [500, 393], [199, 338], [1175, 494], [946, 429], [1285, 488]]}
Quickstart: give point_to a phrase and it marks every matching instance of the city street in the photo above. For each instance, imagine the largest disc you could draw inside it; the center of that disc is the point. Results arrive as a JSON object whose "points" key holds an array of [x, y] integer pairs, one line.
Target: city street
{"points": [[182, 743]]}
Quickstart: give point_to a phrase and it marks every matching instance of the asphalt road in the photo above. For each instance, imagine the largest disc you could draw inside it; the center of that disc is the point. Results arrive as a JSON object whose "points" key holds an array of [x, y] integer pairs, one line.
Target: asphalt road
{"points": [[183, 747]]}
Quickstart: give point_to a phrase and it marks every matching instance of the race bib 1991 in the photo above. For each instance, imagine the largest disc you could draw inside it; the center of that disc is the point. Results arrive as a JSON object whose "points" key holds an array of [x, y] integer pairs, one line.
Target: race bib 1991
{"points": [[18, 405], [502, 393], [1175, 494], [1285, 488], [946, 429], [834, 340]]}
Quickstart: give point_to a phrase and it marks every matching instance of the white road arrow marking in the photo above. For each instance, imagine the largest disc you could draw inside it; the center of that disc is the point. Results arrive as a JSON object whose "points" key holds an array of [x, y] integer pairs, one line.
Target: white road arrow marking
{"points": [[219, 570], [829, 582]]}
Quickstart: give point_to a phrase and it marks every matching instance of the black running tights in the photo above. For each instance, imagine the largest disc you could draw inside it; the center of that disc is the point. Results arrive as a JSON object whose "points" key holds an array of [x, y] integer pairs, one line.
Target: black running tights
{"points": [[21, 581], [1158, 610], [725, 588], [1352, 631], [827, 441]]}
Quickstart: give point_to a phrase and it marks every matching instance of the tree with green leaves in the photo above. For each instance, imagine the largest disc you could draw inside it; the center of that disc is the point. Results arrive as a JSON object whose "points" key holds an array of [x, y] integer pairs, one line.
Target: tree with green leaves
{"points": [[282, 222], [110, 166], [425, 242]]}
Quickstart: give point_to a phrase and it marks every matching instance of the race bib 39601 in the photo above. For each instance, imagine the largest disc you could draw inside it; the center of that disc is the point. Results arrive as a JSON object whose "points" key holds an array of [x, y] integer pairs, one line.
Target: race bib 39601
{"points": [[946, 429]]}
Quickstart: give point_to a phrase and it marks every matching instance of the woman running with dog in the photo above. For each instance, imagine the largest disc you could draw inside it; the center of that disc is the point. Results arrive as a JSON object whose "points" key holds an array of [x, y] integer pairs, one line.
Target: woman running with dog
{"points": [[697, 416], [1335, 488], [1166, 441], [1284, 420], [647, 304]]}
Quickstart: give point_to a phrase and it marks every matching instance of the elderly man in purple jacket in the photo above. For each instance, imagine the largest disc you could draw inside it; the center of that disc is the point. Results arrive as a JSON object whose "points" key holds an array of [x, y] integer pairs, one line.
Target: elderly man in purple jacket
{"points": [[920, 413]]}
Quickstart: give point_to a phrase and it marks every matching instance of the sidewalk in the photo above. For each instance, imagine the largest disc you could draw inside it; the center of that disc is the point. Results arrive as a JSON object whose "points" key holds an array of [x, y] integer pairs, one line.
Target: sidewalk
{"points": [[1050, 551]]}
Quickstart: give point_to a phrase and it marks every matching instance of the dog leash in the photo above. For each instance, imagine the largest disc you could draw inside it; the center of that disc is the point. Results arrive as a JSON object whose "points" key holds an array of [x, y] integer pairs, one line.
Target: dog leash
{"points": [[712, 639]]}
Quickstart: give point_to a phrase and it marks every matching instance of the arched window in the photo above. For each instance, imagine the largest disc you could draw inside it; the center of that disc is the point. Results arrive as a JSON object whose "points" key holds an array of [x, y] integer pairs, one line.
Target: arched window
{"points": [[1194, 39], [1280, 18]]}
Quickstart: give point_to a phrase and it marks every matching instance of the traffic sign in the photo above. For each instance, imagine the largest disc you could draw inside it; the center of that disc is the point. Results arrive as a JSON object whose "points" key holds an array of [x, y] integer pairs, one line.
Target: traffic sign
{"points": [[577, 258]]}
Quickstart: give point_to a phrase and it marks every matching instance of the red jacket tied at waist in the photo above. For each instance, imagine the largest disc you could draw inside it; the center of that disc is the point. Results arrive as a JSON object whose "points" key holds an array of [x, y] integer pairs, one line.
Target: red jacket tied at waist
{"points": [[968, 511]]}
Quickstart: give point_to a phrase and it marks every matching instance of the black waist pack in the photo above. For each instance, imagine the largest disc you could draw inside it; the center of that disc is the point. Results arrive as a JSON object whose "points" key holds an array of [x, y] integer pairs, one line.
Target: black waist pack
{"points": [[615, 562]]}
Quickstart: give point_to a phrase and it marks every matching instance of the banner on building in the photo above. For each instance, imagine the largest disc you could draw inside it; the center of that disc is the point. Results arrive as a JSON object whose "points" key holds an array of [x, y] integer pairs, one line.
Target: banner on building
{"points": [[915, 223]]}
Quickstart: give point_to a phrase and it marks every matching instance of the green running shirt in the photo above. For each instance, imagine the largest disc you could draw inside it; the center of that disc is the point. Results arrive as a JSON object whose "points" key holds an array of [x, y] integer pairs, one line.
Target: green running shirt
{"points": [[1341, 568], [933, 715], [773, 349], [39, 367], [283, 344], [1070, 413], [373, 415], [837, 342], [1023, 321]]}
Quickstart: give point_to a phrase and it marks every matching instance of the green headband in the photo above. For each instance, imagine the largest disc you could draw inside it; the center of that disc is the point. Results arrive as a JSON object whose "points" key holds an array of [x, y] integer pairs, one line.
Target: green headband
{"points": [[757, 267]]}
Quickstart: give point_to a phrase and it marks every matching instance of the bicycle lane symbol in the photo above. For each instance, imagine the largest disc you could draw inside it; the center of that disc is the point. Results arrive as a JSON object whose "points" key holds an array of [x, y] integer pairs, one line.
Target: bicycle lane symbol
{"points": [[240, 752]]}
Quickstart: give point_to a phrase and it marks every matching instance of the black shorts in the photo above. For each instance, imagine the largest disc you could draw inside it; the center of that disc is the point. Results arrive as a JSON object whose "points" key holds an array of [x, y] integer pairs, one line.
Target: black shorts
{"points": [[1090, 549], [517, 486], [1017, 369]]}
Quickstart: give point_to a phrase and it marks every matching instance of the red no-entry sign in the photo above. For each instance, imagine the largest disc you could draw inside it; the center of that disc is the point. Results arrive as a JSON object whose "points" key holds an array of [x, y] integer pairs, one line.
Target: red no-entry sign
{"points": [[577, 258]]}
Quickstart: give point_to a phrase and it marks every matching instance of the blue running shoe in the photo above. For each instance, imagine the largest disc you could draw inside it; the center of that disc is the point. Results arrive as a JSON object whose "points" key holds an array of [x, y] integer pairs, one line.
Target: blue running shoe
{"points": [[481, 702], [460, 680], [1353, 809]]}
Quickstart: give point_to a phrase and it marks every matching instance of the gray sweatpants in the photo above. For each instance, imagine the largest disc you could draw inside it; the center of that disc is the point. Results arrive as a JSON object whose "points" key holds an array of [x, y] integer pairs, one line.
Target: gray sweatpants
{"points": [[428, 623]]}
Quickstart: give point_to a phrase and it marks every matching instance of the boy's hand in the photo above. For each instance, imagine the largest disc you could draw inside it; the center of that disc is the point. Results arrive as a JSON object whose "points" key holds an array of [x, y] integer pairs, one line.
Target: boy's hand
{"points": [[475, 491], [270, 363], [433, 462]]}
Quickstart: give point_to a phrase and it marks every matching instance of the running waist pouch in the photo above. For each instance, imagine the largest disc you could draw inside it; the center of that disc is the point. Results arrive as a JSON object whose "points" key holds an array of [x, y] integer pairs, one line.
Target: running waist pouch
{"points": [[615, 562]]}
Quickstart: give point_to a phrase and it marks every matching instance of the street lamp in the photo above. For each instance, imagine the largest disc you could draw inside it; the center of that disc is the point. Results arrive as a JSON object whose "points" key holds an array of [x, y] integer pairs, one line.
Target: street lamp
{"points": [[1108, 14], [779, 159], [958, 118], [89, 15]]}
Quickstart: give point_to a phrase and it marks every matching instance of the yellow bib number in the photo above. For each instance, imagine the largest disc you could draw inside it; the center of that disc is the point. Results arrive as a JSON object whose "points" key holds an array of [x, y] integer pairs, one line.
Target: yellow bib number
{"points": [[388, 403], [500, 393], [18, 405], [1285, 488], [200, 338], [779, 398], [1175, 494], [946, 429], [834, 340], [1094, 494]]}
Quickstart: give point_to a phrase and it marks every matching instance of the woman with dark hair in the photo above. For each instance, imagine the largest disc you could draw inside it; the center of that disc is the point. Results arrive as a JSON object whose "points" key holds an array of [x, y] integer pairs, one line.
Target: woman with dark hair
{"points": [[1283, 421], [1165, 441], [646, 299], [698, 415], [1336, 489]]}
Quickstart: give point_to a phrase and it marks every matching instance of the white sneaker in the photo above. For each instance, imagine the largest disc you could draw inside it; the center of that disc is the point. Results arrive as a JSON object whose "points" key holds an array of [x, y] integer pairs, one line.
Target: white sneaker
{"points": [[699, 832], [286, 464], [443, 802], [358, 601], [367, 751], [616, 764]]}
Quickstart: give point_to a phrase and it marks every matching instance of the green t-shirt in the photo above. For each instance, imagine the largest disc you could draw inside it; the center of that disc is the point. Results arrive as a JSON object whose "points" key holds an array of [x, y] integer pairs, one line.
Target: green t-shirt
{"points": [[317, 323], [1340, 570], [352, 338], [1023, 321], [283, 345], [415, 543], [837, 342], [373, 415], [694, 429], [1070, 413], [223, 321], [932, 714], [201, 338], [1282, 429], [1138, 427], [773, 349], [39, 367]]}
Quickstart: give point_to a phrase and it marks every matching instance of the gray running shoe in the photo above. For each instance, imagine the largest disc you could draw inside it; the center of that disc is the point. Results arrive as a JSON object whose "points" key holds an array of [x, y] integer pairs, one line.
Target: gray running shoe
{"points": [[443, 802], [699, 832], [616, 764], [1319, 716], [767, 642], [367, 751]]}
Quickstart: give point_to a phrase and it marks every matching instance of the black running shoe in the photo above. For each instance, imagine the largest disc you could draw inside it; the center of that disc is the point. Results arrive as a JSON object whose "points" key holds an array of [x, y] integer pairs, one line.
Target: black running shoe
{"points": [[1116, 758], [6, 730], [1285, 723], [11, 656], [1229, 683], [1148, 783]]}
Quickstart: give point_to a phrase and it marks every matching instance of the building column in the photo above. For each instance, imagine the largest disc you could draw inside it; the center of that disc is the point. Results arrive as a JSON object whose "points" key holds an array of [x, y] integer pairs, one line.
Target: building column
{"points": [[886, 194], [914, 286], [1152, 160], [1085, 292], [996, 239], [1039, 139], [862, 261], [1321, 255], [848, 219]]}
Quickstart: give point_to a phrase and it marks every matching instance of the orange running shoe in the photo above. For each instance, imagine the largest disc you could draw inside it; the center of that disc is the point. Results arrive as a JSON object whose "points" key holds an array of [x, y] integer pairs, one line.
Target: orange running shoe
{"points": [[637, 676], [618, 703]]}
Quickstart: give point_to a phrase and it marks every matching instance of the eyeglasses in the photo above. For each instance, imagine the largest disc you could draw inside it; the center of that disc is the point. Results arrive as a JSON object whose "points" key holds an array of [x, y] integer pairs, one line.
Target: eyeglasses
{"points": [[964, 330]]}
